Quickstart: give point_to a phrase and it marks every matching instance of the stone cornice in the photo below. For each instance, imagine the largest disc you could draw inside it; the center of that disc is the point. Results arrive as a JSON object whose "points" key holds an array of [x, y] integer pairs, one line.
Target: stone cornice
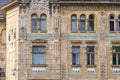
{"points": [[8, 6]]}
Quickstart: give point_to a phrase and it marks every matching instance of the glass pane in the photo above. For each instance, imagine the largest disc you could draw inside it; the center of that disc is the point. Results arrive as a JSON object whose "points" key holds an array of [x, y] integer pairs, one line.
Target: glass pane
{"points": [[111, 17], [92, 59], [42, 57], [114, 59], [90, 49], [42, 49], [117, 49], [43, 16], [111, 25], [91, 25], [91, 17], [34, 16], [73, 17], [82, 17], [74, 28], [88, 59], [82, 26], [73, 59], [75, 49], [35, 49], [35, 59], [118, 29], [118, 59], [43, 25], [34, 25], [77, 58]]}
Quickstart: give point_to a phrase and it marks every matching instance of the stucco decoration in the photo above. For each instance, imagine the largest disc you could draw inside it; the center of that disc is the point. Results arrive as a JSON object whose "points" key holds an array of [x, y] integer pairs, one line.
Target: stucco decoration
{"points": [[40, 6]]}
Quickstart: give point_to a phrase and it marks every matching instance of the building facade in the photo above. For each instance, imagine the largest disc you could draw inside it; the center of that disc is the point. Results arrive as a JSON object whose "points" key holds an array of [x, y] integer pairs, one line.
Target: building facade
{"points": [[62, 39]]}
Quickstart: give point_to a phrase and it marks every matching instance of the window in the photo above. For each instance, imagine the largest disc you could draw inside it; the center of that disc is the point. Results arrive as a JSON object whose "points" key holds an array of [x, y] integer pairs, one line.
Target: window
{"points": [[75, 55], [90, 55], [116, 55], [111, 22], [82, 23], [91, 23], [43, 22], [74, 23], [34, 22], [39, 55], [118, 28]]}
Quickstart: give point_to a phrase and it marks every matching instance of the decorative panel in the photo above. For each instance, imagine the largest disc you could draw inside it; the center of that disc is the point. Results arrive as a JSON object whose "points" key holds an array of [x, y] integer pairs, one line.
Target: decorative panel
{"points": [[38, 70], [76, 70], [91, 70]]}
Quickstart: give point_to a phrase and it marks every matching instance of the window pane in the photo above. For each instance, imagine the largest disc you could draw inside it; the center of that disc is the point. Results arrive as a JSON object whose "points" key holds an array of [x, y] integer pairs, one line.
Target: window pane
{"points": [[35, 49], [91, 25], [42, 49], [75, 59], [42, 56], [111, 25], [90, 49], [43, 25], [114, 59], [118, 59], [35, 59], [118, 28], [92, 59], [88, 59], [75, 49], [74, 28], [82, 26], [117, 49], [34, 25]]}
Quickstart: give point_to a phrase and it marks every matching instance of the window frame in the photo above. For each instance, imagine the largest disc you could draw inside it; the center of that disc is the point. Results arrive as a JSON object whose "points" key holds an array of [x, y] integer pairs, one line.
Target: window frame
{"points": [[111, 20], [40, 23], [90, 63], [34, 31], [89, 22], [117, 63], [82, 20], [76, 53], [72, 23], [118, 25], [38, 47]]}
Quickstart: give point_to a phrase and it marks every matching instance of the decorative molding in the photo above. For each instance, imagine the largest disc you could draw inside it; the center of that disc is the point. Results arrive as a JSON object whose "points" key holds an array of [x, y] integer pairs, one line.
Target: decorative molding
{"points": [[38, 70], [76, 70]]}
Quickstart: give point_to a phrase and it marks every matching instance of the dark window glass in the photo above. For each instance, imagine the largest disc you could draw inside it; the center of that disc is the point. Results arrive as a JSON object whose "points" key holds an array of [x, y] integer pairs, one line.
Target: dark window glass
{"points": [[118, 28], [118, 59], [34, 22], [43, 22], [82, 23], [74, 23], [114, 59], [91, 23], [111, 23], [90, 55]]}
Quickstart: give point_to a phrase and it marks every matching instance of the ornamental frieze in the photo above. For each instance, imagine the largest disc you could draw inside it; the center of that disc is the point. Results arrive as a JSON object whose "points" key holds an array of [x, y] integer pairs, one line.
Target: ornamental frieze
{"points": [[91, 7]]}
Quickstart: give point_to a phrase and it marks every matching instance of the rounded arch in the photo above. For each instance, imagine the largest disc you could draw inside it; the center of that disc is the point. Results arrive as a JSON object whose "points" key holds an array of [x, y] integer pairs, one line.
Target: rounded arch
{"points": [[111, 16]]}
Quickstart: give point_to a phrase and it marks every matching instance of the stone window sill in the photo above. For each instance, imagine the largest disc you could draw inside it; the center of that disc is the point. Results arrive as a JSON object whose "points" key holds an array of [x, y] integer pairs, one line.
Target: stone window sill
{"points": [[91, 65], [116, 66], [76, 65], [112, 31], [39, 65]]}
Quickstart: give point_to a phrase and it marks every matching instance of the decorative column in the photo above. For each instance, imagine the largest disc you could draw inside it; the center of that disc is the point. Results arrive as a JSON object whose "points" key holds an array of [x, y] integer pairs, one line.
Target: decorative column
{"points": [[102, 47]]}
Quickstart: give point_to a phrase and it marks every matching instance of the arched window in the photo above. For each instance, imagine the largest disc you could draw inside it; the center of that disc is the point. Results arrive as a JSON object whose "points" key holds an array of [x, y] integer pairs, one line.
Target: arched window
{"points": [[111, 18], [73, 23], [118, 28], [43, 22], [82, 23], [34, 22], [91, 23]]}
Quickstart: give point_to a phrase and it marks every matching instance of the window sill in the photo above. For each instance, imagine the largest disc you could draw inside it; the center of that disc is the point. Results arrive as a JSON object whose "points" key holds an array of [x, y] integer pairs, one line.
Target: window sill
{"points": [[74, 32], [43, 31], [92, 31], [34, 31], [39, 65], [82, 31], [91, 65], [115, 66], [112, 31], [76, 65]]}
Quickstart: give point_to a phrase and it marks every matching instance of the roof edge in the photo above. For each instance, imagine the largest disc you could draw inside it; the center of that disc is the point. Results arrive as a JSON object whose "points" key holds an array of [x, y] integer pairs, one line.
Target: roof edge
{"points": [[8, 6]]}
